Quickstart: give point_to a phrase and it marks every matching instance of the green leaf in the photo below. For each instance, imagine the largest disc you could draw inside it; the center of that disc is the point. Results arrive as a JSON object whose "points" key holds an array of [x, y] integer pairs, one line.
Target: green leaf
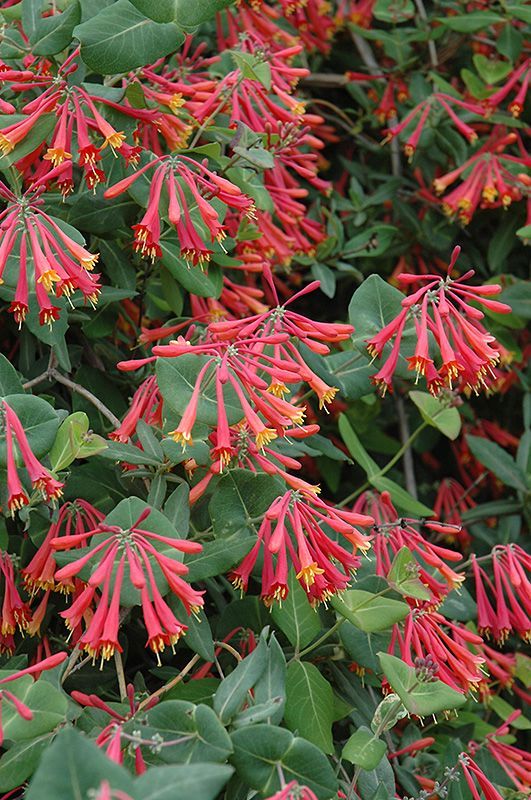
{"points": [[199, 634], [402, 499], [49, 35], [498, 461], [233, 690], [69, 440], [295, 616], [399, 496], [216, 557], [520, 12], [472, 22], [241, 496], [20, 761], [198, 781], [10, 383], [518, 296], [72, 767], [510, 42], [402, 576], [421, 699], [272, 683], [177, 508], [369, 612], [259, 751], [503, 709], [254, 68], [204, 737], [436, 414], [39, 133], [492, 70], [193, 279], [309, 705], [176, 378], [120, 38], [48, 706], [184, 13], [352, 372], [371, 243], [39, 420], [364, 749]]}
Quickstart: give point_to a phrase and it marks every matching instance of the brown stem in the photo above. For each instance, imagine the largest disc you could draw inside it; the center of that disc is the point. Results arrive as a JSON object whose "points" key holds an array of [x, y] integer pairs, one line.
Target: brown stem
{"points": [[167, 686]]}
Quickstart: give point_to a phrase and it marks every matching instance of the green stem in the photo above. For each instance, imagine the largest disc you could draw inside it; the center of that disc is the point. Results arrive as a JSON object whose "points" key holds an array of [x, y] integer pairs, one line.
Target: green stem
{"points": [[321, 639], [390, 464]]}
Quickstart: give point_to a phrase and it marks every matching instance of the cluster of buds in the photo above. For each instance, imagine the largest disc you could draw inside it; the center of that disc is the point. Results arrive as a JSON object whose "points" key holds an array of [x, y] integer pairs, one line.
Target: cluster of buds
{"points": [[110, 550], [441, 311], [291, 532], [41, 479]]}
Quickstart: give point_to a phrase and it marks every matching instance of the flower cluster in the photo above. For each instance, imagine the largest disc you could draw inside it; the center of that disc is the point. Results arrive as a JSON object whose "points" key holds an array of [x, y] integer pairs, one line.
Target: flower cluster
{"points": [[442, 315], [291, 532], [111, 550], [59, 265], [504, 601], [18, 449]]}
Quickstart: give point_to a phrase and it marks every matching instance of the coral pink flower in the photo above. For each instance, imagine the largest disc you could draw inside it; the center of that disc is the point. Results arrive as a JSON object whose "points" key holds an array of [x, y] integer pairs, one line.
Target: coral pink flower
{"points": [[111, 550], [392, 533], [467, 352], [293, 791], [291, 531], [41, 479], [185, 188]]}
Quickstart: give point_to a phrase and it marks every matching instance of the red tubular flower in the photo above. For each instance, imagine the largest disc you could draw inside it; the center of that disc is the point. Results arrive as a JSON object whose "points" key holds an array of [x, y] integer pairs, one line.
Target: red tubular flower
{"points": [[15, 612], [504, 604], [60, 264], [146, 405], [41, 479], [391, 533], [293, 791], [451, 502], [467, 352], [112, 550], [454, 649], [73, 518], [291, 530], [185, 187]]}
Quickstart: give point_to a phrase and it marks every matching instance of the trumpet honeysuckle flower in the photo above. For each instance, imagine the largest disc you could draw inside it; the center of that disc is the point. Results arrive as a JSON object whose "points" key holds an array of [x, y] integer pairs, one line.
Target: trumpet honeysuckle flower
{"points": [[294, 791], [421, 113], [75, 518], [455, 650], [40, 478], [291, 532], [112, 549], [14, 613], [59, 265], [504, 601], [451, 502], [392, 533], [187, 184], [146, 404], [441, 311]]}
